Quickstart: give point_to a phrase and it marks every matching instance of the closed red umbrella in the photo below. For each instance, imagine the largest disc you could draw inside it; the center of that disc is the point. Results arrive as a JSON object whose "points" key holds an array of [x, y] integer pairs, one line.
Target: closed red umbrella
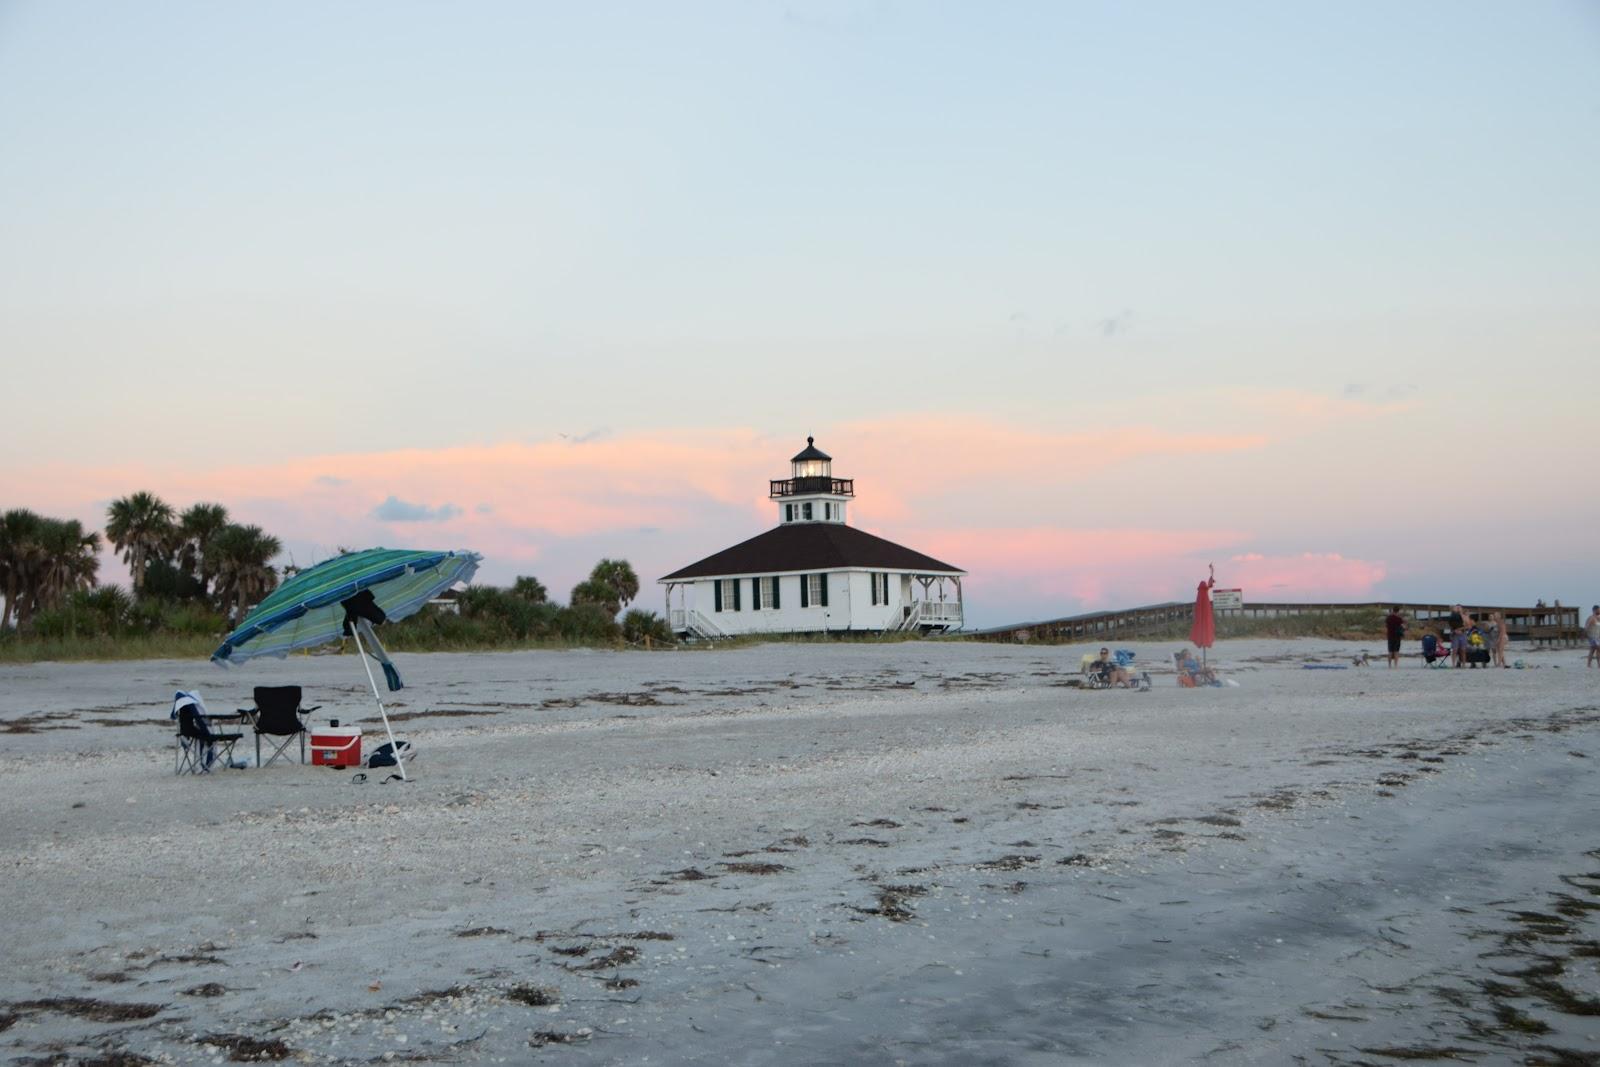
{"points": [[1203, 634]]}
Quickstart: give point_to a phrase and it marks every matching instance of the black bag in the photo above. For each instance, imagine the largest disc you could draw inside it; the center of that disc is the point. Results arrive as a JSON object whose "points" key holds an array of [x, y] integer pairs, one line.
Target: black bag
{"points": [[383, 755]]}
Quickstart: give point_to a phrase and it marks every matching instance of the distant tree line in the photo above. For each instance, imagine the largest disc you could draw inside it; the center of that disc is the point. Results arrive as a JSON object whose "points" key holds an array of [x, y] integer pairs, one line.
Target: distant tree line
{"points": [[524, 613], [193, 571], [189, 571]]}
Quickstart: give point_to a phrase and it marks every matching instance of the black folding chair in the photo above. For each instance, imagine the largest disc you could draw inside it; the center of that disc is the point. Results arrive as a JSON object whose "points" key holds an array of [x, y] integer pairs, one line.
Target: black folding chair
{"points": [[199, 747], [278, 714]]}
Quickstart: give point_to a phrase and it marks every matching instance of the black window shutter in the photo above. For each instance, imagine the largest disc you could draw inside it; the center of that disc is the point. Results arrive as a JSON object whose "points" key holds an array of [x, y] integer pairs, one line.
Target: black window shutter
{"points": [[755, 594], [716, 595], [805, 590], [824, 584], [776, 584], [736, 584], [874, 579]]}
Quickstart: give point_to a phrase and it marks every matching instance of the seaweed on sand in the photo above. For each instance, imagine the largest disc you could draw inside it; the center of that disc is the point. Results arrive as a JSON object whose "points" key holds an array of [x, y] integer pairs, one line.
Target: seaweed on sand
{"points": [[1012, 862], [617, 957], [534, 996], [99, 1011], [542, 1038], [755, 868], [1422, 1052], [245, 1049], [893, 902]]}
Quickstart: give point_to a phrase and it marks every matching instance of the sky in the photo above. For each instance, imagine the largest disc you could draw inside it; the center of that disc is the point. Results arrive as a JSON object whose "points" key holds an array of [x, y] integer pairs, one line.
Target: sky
{"points": [[1085, 296]]}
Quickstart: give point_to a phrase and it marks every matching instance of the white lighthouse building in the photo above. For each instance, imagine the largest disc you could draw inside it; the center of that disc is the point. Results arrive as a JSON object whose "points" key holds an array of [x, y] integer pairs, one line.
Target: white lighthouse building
{"points": [[813, 572]]}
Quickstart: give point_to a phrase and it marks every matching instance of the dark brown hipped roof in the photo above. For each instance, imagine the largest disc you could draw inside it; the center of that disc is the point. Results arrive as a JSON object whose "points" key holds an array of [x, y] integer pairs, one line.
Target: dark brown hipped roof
{"points": [[812, 546], [811, 452]]}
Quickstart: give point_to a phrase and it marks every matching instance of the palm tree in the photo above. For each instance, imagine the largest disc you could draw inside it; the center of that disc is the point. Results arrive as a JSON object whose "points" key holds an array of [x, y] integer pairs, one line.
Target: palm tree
{"points": [[141, 528], [69, 558], [198, 527], [19, 546], [529, 588], [616, 575], [244, 567]]}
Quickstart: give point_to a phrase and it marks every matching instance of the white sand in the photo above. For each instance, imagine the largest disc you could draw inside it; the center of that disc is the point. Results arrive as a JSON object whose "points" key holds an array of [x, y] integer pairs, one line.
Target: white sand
{"points": [[1311, 864]]}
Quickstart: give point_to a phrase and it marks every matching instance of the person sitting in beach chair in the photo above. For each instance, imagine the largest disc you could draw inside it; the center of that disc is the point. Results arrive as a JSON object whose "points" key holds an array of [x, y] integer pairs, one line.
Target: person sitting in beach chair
{"points": [[1477, 649], [1191, 674], [1105, 672], [1430, 649]]}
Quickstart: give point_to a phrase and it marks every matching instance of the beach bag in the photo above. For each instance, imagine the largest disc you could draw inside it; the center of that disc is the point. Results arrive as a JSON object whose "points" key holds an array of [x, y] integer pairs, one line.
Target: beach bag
{"points": [[383, 755]]}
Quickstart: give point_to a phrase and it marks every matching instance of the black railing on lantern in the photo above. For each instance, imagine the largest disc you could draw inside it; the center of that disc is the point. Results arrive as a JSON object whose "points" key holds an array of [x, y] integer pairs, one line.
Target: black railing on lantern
{"points": [[782, 487]]}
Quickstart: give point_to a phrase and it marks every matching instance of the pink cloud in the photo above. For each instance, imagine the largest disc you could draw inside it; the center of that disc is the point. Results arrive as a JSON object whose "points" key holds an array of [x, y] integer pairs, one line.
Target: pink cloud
{"points": [[1079, 569], [1307, 576], [665, 498], [1056, 571]]}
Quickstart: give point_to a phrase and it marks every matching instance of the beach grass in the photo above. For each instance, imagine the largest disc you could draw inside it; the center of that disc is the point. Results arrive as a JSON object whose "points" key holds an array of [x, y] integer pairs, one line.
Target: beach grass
{"points": [[30, 648], [451, 633]]}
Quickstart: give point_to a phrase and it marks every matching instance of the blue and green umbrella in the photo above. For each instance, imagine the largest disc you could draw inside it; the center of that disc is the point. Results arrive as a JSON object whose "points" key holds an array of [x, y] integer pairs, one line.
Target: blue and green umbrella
{"points": [[343, 598]]}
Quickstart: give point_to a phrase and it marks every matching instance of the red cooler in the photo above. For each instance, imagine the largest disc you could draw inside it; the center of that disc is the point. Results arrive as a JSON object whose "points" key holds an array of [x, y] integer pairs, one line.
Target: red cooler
{"points": [[336, 746]]}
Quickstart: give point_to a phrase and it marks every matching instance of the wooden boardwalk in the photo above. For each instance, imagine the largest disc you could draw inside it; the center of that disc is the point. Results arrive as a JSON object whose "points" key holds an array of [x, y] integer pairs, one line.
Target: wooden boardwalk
{"points": [[1556, 626]]}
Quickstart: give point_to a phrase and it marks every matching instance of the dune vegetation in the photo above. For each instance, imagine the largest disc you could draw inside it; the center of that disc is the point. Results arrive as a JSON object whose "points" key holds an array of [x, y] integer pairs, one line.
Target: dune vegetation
{"points": [[194, 571]]}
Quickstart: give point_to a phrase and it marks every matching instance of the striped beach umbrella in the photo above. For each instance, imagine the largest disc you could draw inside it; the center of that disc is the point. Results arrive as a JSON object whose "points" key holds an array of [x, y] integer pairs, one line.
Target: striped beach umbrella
{"points": [[342, 598]]}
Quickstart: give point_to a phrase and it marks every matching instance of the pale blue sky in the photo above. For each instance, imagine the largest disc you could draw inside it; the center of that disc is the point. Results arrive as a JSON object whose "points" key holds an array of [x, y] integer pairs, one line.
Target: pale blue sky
{"points": [[501, 221]]}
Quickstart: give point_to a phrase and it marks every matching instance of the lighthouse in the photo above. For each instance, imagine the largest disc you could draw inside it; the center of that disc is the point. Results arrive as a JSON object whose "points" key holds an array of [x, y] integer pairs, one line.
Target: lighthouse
{"points": [[813, 572]]}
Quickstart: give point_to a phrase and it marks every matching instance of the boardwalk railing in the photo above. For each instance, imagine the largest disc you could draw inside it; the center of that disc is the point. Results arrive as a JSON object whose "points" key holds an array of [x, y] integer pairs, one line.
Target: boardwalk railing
{"points": [[1537, 625]]}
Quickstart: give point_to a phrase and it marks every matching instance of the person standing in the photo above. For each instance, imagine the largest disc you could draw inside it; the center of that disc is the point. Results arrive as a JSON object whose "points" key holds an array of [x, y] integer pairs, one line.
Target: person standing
{"points": [[1501, 638], [1591, 628], [1394, 626], [1458, 636]]}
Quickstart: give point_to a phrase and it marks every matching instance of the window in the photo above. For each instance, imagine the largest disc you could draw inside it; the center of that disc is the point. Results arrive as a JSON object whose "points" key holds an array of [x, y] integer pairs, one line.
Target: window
{"points": [[788, 513], [880, 588], [766, 593], [827, 511], [728, 594], [816, 590], [806, 511]]}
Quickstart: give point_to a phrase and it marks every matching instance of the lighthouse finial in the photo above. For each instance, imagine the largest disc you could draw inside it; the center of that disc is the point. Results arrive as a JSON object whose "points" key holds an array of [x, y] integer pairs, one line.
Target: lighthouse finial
{"points": [[811, 440]]}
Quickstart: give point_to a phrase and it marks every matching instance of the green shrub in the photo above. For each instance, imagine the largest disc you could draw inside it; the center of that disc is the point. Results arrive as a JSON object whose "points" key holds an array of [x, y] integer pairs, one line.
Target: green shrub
{"points": [[639, 624], [584, 623]]}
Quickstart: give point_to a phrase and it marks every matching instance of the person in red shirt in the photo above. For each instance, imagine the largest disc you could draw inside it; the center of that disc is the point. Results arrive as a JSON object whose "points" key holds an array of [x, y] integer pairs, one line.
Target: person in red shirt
{"points": [[1394, 625]]}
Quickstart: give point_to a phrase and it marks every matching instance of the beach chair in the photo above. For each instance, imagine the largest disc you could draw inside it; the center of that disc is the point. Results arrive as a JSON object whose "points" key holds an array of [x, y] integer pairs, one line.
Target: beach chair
{"points": [[1191, 675], [1093, 677], [200, 748], [1187, 679], [279, 716], [1432, 651]]}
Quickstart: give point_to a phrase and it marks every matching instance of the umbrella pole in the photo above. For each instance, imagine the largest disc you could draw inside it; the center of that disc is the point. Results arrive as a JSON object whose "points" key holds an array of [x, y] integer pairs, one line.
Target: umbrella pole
{"points": [[355, 632]]}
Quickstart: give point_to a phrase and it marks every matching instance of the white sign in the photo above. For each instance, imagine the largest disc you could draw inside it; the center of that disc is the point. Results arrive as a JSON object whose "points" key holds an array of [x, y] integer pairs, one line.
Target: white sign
{"points": [[1227, 599]]}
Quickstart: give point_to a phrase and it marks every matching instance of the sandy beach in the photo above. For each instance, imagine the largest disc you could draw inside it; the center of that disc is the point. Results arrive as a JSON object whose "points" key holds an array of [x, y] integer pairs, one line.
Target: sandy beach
{"points": [[916, 853]]}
